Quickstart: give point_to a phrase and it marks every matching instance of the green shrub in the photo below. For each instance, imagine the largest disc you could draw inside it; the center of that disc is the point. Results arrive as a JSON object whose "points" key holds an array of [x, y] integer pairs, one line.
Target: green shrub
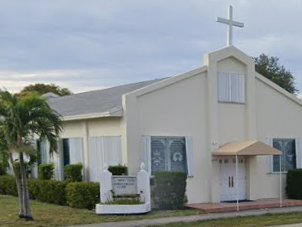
{"points": [[2, 170], [118, 170], [50, 191], [170, 189], [46, 171], [73, 172], [294, 184], [8, 185], [83, 194]]}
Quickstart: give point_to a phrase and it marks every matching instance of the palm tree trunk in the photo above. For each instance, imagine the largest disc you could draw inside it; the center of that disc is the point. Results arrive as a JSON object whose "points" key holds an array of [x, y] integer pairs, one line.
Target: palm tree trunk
{"points": [[25, 194], [18, 184]]}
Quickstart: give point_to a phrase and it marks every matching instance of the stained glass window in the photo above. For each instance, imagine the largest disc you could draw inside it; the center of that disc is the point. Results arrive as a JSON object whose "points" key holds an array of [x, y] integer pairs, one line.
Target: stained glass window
{"points": [[288, 157], [168, 153]]}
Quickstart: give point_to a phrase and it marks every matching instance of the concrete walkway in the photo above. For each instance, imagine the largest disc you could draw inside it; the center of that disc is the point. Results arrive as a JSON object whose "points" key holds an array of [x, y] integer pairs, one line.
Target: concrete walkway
{"points": [[201, 217]]}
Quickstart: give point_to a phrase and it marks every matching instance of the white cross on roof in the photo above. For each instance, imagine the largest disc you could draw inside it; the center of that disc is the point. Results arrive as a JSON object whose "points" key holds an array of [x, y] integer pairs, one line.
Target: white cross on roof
{"points": [[230, 24]]}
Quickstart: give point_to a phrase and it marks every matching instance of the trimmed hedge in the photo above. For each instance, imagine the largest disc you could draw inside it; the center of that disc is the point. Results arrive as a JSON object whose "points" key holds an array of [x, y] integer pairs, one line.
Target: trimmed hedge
{"points": [[73, 172], [170, 189], [294, 184], [118, 170], [75, 194], [83, 194], [8, 185], [49, 191], [46, 171]]}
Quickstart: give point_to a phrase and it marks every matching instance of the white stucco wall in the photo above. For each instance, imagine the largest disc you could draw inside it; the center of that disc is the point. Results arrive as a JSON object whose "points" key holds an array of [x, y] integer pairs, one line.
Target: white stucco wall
{"points": [[277, 117], [107, 126], [177, 109]]}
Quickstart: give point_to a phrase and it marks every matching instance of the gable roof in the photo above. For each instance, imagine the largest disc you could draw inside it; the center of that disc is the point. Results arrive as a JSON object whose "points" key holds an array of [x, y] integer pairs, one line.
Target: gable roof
{"points": [[95, 103]]}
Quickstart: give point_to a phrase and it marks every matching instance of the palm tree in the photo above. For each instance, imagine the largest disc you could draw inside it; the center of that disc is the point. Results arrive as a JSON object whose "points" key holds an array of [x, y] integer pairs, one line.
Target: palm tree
{"points": [[20, 119]]}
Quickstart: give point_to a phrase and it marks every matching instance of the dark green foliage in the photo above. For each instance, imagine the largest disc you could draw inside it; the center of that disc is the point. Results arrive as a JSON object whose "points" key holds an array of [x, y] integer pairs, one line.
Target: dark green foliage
{"points": [[294, 184], [45, 88], [272, 70], [74, 194], [118, 170], [8, 185], [50, 191], [73, 172], [170, 189], [83, 194], [46, 171], [2, 170]]}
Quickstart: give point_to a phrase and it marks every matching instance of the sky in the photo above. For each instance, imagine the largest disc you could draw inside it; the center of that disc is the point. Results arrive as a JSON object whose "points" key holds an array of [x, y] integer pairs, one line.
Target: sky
{"points": [[94, 44]]}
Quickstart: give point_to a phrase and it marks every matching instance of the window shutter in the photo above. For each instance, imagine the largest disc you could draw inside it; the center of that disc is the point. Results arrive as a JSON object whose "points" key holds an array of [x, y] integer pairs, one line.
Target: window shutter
{"points": [[269, 141], [95, 158], [189, 151], [112, 148], [146, 153], [298, 153], [76, 150], [223, 87]]}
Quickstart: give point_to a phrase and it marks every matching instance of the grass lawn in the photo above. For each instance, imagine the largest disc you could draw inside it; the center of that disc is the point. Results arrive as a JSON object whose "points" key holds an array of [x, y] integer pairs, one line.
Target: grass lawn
{"points": [[53, 215], [253, 221]]}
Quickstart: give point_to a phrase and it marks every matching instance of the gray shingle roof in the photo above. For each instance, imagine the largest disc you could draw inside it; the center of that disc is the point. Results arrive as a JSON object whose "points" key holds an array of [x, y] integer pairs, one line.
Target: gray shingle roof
{"points": [[98, 101]]}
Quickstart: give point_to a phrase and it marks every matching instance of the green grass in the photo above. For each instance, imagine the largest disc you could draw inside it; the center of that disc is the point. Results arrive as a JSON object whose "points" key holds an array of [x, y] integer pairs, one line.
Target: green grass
{"points": [[53, 215], [252, 221]]}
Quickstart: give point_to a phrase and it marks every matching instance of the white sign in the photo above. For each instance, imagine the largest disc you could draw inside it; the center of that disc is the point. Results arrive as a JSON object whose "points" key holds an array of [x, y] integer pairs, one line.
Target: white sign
{"points": [[124, 185]]}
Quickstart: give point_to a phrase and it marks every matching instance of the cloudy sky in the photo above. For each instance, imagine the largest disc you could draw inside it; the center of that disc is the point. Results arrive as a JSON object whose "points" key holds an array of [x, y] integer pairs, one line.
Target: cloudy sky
{"points": [[92, 44]]}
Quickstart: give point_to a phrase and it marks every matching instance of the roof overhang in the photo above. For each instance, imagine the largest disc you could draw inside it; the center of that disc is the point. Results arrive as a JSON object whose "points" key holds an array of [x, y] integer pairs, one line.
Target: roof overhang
{"points": [[247, 148], [116, 112]]}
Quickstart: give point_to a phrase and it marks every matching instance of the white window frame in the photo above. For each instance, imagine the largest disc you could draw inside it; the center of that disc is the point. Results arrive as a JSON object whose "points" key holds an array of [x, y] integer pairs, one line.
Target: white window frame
{"points": [[146, 152], [298, 150]]}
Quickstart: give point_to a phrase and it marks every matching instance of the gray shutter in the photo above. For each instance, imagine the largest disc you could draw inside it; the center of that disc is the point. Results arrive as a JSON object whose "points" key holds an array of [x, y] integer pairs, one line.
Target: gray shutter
{"points": [[223, 87], [298, 153], [76, 150], [112, 148], [146, 153], [189, 152], [269, 141], [95, 158]]}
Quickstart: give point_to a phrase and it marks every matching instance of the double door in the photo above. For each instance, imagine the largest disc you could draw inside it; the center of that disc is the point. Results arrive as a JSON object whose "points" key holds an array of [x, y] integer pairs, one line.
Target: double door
{"points": [[228, 179]]}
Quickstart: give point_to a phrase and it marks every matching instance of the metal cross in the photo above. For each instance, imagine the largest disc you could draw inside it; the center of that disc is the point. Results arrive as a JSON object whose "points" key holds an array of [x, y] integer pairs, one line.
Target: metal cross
{"points": [[230, 24]]}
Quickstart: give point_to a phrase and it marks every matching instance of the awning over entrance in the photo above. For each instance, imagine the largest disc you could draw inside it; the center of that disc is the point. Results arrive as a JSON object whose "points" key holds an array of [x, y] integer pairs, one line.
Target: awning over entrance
{"points": [[248, 148]]}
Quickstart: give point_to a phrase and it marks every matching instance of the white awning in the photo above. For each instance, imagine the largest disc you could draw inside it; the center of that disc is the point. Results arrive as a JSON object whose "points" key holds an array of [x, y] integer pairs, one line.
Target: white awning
{"points": [[247, 148]]}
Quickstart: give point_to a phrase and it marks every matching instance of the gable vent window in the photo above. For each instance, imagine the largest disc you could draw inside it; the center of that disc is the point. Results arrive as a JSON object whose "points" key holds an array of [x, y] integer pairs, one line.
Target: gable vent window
{"points": [[231, 87]]}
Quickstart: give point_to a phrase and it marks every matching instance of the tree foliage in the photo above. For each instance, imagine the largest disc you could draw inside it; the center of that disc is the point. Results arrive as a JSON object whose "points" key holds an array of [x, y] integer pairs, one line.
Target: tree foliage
{"points": [[45, 88], [270, 67], [20, 118]]}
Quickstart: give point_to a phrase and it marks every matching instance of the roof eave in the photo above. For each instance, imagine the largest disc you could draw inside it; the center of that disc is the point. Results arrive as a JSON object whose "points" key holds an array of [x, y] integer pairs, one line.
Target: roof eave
{"points": [[115, 112]]}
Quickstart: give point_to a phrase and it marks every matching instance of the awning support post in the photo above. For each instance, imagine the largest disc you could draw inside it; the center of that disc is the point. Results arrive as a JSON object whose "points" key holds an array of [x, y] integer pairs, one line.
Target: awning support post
{"points": [[237, 185], [280, 183]]}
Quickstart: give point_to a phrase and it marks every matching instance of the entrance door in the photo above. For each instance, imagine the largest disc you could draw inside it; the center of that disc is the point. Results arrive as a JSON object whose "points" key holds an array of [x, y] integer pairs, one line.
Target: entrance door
{"points": [[228, 179]]}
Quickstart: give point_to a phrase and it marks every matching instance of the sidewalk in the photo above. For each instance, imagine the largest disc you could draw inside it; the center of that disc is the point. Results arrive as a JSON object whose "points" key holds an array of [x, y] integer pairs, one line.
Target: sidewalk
{"points": [[201, 217]]}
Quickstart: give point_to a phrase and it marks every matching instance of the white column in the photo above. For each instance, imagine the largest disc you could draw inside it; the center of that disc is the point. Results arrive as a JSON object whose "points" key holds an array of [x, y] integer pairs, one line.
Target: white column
{"points": [[106, 185], [143, 186], [237, 185], [280, 176]]}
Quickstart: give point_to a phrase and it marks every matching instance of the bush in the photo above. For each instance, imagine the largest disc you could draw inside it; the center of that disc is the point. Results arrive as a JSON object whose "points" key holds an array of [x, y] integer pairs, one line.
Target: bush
{"points": [[46, 171], [118, 170], [170, 189], [73, 173], [8, 185], [83, 194], [2, 170], [50, 191], [294, 184]]}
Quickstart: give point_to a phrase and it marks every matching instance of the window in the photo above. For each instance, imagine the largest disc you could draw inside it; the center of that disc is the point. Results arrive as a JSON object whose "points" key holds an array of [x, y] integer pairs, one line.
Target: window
{"points": [[168, 153], [288, 157], [231, 87]]}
